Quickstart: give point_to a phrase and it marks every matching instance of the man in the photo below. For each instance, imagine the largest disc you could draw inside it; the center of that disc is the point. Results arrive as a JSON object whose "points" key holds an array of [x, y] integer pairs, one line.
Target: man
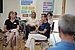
{"points": [[66, 26], [41, 33]]}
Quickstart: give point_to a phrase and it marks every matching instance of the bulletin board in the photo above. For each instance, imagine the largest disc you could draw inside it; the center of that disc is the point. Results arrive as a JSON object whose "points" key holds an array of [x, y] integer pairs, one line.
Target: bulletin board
{"points": [[48, 6], [27, 7]]}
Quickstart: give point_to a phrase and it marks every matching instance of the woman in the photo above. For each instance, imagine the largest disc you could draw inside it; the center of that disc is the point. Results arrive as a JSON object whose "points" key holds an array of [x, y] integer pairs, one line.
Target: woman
{"points": [[42, 33], [11, 26], [50, 18], [31, 23], [17, 18]]}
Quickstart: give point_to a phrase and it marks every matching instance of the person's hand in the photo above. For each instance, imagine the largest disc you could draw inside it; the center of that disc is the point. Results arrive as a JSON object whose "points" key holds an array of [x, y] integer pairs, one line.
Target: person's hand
{"points": [[37, 30], [23, 22], [29, 25], [36, 27], [4, 31], [48, 17]]}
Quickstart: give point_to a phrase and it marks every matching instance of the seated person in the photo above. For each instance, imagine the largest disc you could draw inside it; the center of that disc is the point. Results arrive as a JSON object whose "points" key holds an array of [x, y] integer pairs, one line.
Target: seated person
{"points": [[42, 33], [66, 26], [11, 26], [31, 23], [17, 18], [50, 18]]}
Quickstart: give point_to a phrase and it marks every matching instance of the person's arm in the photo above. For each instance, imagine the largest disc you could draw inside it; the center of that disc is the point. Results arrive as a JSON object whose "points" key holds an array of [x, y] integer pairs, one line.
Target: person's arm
{"points": [[18, 25], [43, 31], [37, 27], [31, 24], [50, 21], [5, 28]]}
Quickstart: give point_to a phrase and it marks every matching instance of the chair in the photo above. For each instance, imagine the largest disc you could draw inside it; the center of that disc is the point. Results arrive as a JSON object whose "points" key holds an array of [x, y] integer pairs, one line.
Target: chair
{"points": [[51, 30], [74, 37], [22, 25], [22, 30]]}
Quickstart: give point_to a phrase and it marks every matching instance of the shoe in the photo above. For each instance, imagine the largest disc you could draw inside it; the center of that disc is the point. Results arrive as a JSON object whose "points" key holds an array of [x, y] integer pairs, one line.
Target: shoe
{"points": [[24, 48], [23, 38], [0, 38], [5, 44], [37, 43], [5, 36], [46, 48], [0, 31], [25, 41]]}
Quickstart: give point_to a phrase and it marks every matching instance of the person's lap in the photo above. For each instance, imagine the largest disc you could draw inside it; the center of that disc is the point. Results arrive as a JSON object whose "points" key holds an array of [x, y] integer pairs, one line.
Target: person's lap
{"points": [[37, 36]]}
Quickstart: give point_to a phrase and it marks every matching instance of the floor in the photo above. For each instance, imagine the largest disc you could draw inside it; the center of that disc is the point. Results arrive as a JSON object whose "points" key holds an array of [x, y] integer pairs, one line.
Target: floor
{"points": [[21, 42], [20, 45], [54, 38]]}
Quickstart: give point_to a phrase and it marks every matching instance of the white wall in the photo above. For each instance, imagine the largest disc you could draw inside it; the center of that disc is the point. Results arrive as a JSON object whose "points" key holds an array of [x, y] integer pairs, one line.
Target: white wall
{"points": [[9, 5], [39, 8], [70, 7], [14, 5], [58, 7]]}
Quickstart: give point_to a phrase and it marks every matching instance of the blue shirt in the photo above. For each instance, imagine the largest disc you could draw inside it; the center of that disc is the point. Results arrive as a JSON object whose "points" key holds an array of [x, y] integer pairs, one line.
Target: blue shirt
{"points": [[64, 46], [45, 26]]}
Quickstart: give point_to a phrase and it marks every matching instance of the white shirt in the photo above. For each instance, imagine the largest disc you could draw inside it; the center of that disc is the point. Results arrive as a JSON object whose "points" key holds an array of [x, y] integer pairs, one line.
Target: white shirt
{"points": [[32, 20]]}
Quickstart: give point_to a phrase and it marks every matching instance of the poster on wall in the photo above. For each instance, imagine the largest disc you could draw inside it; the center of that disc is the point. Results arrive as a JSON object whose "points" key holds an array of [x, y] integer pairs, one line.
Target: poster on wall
{"points": [[27, 7], [48, 6]]}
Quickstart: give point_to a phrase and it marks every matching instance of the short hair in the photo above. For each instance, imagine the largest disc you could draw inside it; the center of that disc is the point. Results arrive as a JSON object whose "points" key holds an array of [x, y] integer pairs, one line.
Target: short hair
{"points": [[67, 24], [11, 12], [44, 15], [50, 13]]}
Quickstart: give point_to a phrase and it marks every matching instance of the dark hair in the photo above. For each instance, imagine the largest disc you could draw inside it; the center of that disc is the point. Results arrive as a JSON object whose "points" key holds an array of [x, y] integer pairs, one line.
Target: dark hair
{"points": [[11, 12], [35, 14], [50, 13], [45, 16], [15, 13]]}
